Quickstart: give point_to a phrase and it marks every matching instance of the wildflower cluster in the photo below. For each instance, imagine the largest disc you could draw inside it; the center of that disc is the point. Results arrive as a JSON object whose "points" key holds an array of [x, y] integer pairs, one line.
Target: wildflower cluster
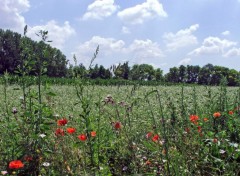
{"points": [[72, 130]]}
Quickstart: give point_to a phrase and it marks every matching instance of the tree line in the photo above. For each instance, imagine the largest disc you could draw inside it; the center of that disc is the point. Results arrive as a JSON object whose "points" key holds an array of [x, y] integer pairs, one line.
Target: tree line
{"points": [[19, 52], [206, 75]]}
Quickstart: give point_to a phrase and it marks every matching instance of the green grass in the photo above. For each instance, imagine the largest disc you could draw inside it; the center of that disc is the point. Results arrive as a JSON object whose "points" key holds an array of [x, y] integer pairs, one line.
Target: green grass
{"points": [[182, 148]]}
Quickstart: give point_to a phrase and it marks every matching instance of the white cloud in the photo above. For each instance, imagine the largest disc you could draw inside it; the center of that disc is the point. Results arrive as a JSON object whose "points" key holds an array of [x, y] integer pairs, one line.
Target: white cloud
{"points": [[138, 51], [145, 49], [226, 33], [213, 45], [142, 12], [56, 33], [232, 52], [185, 61], [125, 30], [11, 14], [107, 46], [182, 38], [100, 9]]}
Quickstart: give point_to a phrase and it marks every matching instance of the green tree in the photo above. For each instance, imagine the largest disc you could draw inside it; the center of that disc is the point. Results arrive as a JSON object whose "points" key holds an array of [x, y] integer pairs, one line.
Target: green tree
{"points": [[233, 77], [192, 74], [142, 72], [205, 74], [159, 75], [13, 54], [182, 74], [121, 70], [172, 75], [218, 73]]}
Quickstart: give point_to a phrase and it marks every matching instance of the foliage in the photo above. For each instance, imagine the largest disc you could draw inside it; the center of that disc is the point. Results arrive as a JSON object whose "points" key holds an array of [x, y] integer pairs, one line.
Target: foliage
{"points": [[14, 49]]}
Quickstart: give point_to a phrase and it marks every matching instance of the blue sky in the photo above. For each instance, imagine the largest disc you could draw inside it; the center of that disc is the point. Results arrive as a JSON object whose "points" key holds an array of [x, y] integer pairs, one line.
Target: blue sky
{"points": [[163, 33]]}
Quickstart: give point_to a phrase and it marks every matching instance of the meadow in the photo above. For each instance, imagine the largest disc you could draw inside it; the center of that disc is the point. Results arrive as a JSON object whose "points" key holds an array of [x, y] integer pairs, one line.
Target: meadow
{"points": [[85, 129]]}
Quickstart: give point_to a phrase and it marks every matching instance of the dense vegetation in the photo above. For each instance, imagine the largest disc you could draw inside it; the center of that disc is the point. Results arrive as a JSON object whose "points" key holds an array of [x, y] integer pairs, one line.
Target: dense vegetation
{"points": [[85, 129], [18, 51], [119, 130]]}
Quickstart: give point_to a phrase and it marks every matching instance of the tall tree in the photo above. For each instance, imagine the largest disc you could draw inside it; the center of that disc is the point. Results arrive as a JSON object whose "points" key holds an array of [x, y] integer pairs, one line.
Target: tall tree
{"points": [[205, 74], [172, 75], [16, 50], [182, 74], [121, 70], [142, 72], [159, 75], [192, 74]]}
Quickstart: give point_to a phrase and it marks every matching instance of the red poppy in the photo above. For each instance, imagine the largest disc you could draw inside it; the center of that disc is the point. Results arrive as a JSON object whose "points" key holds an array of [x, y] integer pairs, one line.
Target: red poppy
{"points": [[205, 119], [82, 137], [230, 112], [155, 138], [215, 140], [149, 134], [117, 125], [216, 114], [199, 129], [71, 130], [59, 132], [194, 119], [62, 122], [147, 162], [93, 133], [16, 164]]}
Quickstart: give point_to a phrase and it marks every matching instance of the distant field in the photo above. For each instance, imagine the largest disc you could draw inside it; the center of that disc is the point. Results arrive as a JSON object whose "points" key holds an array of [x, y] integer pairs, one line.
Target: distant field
{"points": [[138, 130]]}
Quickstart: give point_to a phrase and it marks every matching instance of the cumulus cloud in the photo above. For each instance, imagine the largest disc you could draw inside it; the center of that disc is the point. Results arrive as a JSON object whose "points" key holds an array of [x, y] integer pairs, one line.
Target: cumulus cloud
{"points": [[226, 33], [185, 61], [145, 49], [56, 33], [100, 9], [11, 14], [142, 12], [182, 38], [107, 47], [232, 52], [213, 45], [138, 50]]}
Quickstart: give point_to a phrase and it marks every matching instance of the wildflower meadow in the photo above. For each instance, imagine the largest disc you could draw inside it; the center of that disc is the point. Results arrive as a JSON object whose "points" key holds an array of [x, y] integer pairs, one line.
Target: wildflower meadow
{"points": [[87, 129], [119, 130]]}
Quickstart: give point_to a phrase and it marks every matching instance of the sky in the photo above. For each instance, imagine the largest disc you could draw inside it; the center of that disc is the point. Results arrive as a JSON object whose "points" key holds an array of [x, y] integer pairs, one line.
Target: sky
{"points": [[163, 33]]}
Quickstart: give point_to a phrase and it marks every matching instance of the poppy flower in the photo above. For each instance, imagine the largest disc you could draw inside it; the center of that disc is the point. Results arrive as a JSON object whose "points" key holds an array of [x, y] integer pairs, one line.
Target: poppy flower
{"points": [[82, 137], [230, 112], [194, 119], [205, 119], [215, 140], [16, 164], [149, 134], [71, 130], [62, 122], [117, 125], [216, 114], [199, 129], [93, 133], [147, 162], [59, 132], [155, 138]]}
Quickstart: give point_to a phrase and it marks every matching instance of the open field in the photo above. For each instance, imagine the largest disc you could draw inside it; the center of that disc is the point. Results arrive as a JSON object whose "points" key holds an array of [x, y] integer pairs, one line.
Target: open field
{"points": [[120, 130]]}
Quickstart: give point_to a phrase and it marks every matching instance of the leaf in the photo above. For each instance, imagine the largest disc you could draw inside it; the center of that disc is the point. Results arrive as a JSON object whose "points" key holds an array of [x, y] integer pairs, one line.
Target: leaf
{"points": [[51, 94]]}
